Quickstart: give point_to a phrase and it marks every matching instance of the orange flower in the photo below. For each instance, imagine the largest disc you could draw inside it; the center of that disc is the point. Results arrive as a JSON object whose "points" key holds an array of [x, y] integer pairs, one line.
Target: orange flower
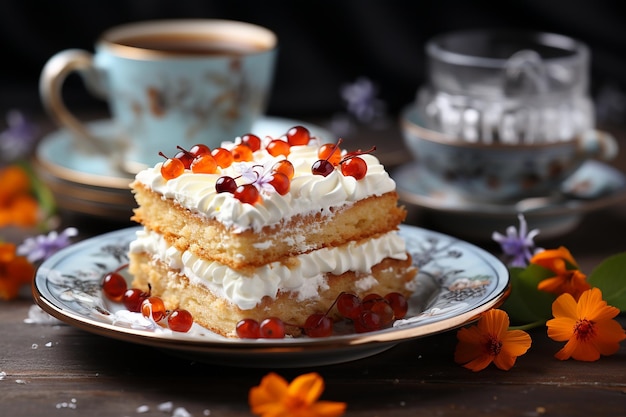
{"points": [[17, 206], [15, 271], [275, 398], [567, 279], [586, 325], [490, 341]]}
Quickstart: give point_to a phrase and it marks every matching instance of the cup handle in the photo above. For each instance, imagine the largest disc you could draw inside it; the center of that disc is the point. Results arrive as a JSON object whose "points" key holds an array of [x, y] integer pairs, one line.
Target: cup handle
{"points": [[51, 80], [598, 144]]}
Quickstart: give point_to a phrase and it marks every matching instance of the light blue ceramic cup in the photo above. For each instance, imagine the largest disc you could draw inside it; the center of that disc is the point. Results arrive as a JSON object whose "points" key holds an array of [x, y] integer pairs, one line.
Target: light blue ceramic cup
{"points": [[167, 83]]}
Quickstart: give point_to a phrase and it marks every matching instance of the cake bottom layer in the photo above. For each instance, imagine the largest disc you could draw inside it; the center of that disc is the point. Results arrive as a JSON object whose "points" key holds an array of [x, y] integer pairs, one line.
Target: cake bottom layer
{"points": [[221, 316]]}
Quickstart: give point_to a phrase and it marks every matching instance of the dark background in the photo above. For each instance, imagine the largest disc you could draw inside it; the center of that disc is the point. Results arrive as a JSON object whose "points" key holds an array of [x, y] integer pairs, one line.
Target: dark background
{"points": [[323, 44]]}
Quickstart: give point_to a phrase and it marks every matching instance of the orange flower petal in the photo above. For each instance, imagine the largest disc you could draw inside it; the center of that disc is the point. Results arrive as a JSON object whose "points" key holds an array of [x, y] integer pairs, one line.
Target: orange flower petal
{"points": [[550, 285], [15, 272], [307, 387], [264, 398], [479, 363], [585, 352], [593, 307], [548, 257], [565, 306], [470, 345], [561, 329], [515, 343], [610, 334], [494, 322], [504, 362], [328, 409]]}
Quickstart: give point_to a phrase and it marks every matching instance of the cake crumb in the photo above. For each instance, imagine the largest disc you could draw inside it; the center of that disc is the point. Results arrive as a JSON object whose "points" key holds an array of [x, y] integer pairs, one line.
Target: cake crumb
{"points": [[166, 406], [142, 409], [181, 412]]}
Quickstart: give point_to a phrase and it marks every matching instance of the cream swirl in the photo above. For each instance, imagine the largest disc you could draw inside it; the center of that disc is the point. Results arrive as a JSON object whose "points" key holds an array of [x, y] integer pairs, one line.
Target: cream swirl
{"points": [[305, 278], [308, 192]]}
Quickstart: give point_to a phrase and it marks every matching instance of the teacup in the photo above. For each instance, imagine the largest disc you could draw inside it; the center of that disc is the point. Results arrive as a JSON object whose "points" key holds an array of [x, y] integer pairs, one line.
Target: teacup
{"points": [[498, 173], [167, 83], [507, 86]]}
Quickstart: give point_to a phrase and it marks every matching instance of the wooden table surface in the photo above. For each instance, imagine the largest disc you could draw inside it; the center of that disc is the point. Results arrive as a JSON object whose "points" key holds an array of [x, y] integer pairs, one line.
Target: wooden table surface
{"points": [[59, 370]]}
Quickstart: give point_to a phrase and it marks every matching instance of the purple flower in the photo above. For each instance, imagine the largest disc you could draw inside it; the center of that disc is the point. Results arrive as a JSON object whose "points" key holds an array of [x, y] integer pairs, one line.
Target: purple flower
{"points": [[259, 175], [361, 100], [43, 246], [519, 247], [18, 139]]}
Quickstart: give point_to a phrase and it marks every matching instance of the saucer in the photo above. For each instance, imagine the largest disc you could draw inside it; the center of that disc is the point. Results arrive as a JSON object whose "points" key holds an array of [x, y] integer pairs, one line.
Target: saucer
{"points": [[88, 183], [593, 186]]}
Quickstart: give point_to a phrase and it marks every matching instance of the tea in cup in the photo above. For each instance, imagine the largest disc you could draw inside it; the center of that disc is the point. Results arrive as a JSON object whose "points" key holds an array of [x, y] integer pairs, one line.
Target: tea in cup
{"points": [[168, 83]]}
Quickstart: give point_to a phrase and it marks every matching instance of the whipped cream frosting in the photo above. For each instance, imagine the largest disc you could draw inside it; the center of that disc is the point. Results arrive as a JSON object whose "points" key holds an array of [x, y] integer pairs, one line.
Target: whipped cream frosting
{"points": [[308, 192], [306, 278]]}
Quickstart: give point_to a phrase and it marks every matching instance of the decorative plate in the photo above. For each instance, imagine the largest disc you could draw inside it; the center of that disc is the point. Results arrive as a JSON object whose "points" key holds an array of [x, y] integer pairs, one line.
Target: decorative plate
{"points": [[456, 282]]}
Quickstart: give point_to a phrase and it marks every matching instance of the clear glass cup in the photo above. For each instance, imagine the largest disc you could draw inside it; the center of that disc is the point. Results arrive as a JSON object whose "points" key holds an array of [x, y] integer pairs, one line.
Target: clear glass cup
{"points": [[507, 86]]}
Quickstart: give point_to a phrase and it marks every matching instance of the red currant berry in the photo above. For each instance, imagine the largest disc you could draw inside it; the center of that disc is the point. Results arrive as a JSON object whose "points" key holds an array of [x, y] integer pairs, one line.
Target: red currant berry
{"points": [[398, 303], [248, 329], [153, 307], [247, 193], [280, 182], [133, 298], [223, 157], [384, 311], [180, 320], [367, 321], [278, 147], [225, 184], [284, 167], [368, 301], [298, 135], [251, 141], [204, 164], [241, 153], [199, 149], [272, 328], [354, 167], [318, 325], [349, 305], [322, 167], [330, 152], [114, 286], [171, 168], [185, 157]]}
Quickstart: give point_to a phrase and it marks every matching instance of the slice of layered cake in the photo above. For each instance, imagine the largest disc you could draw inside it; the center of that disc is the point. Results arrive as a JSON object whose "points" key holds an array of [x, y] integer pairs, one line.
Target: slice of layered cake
{"points": [[273, 227]]}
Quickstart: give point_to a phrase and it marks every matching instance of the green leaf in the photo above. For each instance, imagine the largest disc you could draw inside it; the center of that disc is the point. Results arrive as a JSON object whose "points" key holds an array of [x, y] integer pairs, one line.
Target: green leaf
{"points": [[526, 304], [41, 192], [610, 277]]}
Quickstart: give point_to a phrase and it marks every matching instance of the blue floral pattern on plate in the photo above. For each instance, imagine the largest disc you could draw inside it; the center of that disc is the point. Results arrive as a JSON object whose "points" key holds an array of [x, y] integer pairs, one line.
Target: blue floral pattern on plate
{"points": [[456, 282]]}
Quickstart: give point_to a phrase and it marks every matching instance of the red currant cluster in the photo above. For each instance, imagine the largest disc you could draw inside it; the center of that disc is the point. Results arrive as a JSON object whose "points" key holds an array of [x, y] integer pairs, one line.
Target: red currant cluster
{"points": [[114, 287], [279, 177], [371, 313], [330, 158], [200, 159]]}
